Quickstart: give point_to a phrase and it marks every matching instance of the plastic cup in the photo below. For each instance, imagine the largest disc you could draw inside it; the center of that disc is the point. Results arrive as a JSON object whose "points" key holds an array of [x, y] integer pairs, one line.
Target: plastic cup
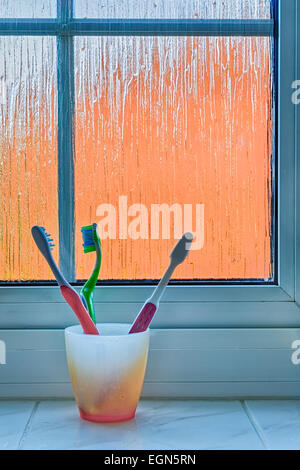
{"points": [[107, 371]]}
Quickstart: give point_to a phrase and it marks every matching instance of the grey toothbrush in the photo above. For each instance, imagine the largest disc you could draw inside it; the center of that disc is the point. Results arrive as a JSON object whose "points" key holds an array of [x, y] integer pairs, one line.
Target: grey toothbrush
{"points": [[177, 256]]}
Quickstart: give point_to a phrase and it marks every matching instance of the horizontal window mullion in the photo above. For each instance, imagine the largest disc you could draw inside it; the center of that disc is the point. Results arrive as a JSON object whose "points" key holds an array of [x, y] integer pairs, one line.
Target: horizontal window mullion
{"points": [[16, 26], [171, 27], [139, 27]]}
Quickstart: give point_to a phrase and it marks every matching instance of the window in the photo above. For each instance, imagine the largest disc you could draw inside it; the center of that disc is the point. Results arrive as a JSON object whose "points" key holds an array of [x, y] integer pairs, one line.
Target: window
{"points": [[175, 103], [75, 84], [174, 118], [75, 80]]}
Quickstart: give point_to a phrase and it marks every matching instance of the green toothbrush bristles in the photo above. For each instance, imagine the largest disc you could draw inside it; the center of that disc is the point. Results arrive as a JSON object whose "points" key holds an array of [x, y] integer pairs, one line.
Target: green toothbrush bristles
{"points": [[88, 240]]}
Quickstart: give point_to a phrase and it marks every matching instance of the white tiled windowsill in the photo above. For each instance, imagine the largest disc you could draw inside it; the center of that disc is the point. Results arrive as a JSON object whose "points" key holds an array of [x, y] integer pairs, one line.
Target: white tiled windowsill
{"points": [[159, 424]]}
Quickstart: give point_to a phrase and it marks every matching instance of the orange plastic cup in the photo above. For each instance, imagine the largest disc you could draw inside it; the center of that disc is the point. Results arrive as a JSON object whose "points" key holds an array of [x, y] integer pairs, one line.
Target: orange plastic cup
{"points": [[107, 371]]}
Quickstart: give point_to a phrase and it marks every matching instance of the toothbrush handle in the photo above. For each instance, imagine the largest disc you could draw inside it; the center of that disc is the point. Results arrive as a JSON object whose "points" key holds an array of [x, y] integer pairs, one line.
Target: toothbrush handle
{"points": [[160, 288], [147, 312], [76, 305], [144, 318]]}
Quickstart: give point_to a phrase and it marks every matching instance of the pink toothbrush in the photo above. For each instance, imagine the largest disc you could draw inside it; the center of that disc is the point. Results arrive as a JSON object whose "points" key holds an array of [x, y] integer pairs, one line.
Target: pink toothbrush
{"points": [[44, 244], [177, 256]]}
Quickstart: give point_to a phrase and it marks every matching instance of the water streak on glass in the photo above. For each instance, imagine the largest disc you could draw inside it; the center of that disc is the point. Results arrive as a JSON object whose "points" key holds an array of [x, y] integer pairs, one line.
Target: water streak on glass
{"points": [[176, 120], [197, 9], [27, 8], [28, 153]]}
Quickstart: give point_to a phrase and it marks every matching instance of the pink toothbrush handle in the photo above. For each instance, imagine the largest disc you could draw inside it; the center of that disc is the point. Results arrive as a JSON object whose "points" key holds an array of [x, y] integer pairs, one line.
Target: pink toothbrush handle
{"points": [[144, 318], [77, 306]]}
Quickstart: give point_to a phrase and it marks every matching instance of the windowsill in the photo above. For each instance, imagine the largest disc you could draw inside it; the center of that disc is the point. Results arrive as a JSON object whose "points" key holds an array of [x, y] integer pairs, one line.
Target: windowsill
{"points": [[183, 363], [159, 424]]}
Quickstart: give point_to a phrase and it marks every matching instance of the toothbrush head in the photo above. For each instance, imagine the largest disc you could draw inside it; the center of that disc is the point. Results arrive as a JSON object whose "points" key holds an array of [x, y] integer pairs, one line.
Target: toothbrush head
{"points": [[42, 239], [89, 237], [182, 248]]}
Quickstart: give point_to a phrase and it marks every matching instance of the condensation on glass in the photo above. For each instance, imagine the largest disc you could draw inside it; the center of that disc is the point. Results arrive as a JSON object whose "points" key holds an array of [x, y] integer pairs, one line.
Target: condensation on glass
{"points": [[176, 120], [197, 9], [27, 8], [28, 153]]}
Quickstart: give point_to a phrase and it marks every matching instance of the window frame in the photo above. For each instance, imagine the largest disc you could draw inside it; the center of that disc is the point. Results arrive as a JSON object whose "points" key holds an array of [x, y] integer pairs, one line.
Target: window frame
{"points": [[193, 306]]}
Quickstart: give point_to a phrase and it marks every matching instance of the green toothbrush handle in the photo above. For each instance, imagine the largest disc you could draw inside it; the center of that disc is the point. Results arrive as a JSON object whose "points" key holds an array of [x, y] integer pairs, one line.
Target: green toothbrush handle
{"points": [[88, 295], [88, 289]]}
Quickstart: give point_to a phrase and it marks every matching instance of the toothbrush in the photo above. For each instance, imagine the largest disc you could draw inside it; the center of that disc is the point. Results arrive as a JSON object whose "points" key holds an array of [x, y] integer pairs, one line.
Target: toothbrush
{"points": [[91, 242], [177, 256], [45, 245]]}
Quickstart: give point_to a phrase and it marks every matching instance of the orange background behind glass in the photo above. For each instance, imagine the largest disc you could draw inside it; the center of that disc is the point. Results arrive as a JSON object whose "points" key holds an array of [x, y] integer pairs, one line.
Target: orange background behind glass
{"points": [[176, 120], [159, 120], [28, 153]]}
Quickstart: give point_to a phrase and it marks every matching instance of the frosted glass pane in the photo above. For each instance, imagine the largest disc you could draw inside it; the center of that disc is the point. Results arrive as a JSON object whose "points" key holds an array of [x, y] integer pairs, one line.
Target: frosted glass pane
{"points": [[176, 121], [28, 153], [27, 8], [205, 9]]}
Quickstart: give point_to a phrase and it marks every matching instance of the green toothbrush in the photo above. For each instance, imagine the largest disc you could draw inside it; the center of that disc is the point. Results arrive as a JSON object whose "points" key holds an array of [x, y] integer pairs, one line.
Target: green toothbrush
{"points": [[91, 242]]}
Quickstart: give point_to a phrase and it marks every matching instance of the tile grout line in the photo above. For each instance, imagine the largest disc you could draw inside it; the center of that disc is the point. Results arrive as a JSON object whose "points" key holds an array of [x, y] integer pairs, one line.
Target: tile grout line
{"points": [[255, 425], [27, 425]]}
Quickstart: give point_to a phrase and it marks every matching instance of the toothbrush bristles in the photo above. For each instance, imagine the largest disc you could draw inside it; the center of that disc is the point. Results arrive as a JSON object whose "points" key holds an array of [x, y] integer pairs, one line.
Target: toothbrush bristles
{"points": [[87, 235], [49, 239]]}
